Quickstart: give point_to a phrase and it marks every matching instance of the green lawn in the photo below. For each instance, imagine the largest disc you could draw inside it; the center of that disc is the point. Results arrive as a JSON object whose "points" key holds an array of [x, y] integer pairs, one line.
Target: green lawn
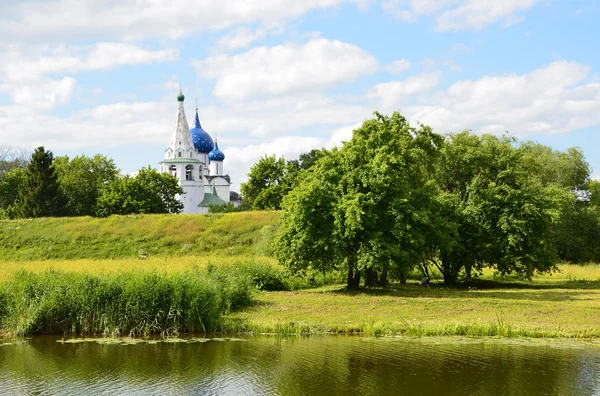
{"points": [[542, 309]]}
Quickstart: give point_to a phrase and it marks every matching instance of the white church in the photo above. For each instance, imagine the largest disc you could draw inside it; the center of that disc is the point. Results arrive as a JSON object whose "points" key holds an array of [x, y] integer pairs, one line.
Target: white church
{"points": [[196, 161]]}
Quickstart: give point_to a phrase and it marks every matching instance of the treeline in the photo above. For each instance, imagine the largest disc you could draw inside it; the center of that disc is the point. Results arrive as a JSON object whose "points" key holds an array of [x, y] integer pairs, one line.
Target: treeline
{"points": [[396, 198], [44, 186]]}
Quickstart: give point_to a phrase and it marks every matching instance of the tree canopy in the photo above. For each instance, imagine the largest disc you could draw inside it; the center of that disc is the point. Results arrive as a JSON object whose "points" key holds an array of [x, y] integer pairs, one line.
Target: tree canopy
{"points": [[82, 180], [147, 192], [39, 194], [396, 197]]}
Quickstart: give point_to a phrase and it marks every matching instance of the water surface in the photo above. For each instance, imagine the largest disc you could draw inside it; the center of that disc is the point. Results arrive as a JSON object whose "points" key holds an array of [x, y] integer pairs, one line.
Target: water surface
{"points": [[328, 365]]}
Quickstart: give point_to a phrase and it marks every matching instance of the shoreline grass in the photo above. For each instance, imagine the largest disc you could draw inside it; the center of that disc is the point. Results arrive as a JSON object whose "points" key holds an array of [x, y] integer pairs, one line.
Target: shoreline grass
{"points": [[570, 309]]}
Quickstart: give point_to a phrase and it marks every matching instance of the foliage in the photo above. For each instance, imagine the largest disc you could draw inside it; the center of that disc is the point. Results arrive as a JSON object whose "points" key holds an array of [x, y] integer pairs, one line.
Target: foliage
{"points": [[268, 182], [501, 209], [82, 180], [366, 207], [39, 195], [11, 183], [147, 192], [578, 233], [271, 179], [227, 207]]}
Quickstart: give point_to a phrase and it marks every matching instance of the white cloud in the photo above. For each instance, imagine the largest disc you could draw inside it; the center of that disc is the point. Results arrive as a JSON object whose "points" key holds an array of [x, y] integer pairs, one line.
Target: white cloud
{"points": [[286, 68], [138, 19], [460, 47], [455, 15], [391, 95], [19, 66], [240, 37], [399, 66], [25, 75], [44, 95], [552, 99], [477, 14]]}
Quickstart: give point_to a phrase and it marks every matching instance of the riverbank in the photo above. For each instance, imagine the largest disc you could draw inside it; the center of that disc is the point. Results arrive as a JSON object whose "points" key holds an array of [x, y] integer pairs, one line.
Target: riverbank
{"points": [[564, 304], [569, 309]]}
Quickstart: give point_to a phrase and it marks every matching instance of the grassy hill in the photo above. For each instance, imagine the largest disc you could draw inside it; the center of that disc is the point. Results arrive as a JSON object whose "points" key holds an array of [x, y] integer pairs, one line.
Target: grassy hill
{"points": [[137, 236]]}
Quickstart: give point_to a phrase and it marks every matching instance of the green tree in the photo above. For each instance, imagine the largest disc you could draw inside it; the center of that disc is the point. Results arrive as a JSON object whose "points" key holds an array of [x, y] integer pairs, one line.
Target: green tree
{"points": [[39, 195], [10, 185], [81, 181], [501, 208], [366, 208], [307, 160], [147, 192], [269, 180]]}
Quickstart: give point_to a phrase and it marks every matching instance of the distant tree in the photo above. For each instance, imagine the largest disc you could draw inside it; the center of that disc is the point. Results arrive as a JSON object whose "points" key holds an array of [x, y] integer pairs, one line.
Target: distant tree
{"points": [[147, 192], [568, 169], [39, 194], [82, 180], [307, 160], [227, 207], [11, 158], [10, 185], [269, 180]]}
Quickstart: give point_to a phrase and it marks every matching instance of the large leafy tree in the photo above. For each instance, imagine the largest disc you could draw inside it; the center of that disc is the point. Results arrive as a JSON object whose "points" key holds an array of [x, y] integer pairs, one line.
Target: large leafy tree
{"points": [[82, 180], [147, 192], [39, 194], [368, 207], [500, 204]]}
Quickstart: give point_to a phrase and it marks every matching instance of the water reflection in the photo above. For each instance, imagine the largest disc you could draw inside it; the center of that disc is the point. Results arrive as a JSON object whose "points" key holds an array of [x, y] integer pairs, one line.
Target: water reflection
{"points": [[299, 366]]}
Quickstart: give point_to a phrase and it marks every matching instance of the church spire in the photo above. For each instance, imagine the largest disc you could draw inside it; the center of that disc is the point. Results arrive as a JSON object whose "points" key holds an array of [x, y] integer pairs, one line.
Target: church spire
{"points": [[180, 138]]}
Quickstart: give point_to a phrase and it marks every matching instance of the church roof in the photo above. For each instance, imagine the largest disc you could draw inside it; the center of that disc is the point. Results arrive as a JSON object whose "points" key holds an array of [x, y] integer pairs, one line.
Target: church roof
{"points": [[211, 198], [202, 140], [180, 161], [216, 154]]}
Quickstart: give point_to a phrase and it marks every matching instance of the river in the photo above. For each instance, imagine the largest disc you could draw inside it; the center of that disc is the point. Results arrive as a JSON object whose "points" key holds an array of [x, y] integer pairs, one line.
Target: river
{"points": [[324, 365]]}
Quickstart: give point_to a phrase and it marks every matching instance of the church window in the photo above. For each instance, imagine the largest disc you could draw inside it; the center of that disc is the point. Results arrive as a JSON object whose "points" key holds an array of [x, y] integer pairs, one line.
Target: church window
{"points": [[179, 154], [189, 175], [173, 170]]}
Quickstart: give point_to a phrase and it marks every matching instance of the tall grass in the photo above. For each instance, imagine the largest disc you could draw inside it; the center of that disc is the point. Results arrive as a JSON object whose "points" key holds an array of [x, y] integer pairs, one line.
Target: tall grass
{"points": [[126, 303], [137, 302]]}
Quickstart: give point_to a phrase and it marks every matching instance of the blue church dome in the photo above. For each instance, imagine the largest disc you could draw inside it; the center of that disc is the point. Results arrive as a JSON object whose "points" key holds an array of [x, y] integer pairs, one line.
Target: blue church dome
{"points": [[216, 154], [202, 140]]}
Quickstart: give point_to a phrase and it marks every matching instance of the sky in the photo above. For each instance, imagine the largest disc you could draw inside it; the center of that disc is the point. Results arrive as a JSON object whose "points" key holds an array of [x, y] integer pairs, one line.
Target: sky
{"points": [[285, 76]]}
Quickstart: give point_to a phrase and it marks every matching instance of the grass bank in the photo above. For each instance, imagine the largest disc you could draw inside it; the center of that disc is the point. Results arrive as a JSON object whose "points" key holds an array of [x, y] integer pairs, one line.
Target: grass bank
{"points": [[137, 300], [135, 236], [550, 306]]}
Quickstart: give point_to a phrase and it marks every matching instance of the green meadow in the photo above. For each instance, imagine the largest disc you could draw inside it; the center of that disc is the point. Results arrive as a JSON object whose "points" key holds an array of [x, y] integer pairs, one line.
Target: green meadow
{"points": [[161, 274]]}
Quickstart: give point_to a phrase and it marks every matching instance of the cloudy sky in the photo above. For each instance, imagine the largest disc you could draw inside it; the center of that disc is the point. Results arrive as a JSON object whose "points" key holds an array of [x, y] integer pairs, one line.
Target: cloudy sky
{"points": [[285, 76]]}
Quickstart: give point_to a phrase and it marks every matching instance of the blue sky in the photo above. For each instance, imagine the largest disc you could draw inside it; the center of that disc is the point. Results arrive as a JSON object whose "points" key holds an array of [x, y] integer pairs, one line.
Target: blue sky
{"points": [[282, 77]]}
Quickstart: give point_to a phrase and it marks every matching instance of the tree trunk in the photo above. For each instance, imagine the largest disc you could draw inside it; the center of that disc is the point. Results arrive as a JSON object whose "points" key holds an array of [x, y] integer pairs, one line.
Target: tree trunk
{"points": [[350, 276], [370, 277], [450, 273], [383, 281], [402, 278], [355, 281]]}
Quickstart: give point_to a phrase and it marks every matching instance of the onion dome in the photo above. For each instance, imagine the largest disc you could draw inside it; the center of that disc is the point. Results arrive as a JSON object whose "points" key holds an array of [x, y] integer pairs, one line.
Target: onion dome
{"points": [[180, 97], [216, 154], [202, 140]]}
